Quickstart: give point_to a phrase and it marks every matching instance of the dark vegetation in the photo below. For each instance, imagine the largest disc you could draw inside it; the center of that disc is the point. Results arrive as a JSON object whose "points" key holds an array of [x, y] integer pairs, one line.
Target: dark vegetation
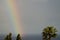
{"points": [[9, 37], [47, 34]]}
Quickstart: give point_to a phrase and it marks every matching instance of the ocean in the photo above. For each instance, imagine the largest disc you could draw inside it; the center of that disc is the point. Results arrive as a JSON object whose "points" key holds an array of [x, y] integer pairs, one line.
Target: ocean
{"points": [[30, 37]]}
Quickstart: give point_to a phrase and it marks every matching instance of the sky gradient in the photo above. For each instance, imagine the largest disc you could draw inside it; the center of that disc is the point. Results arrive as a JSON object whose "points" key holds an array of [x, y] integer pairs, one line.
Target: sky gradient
{"points": [[35, 15]]}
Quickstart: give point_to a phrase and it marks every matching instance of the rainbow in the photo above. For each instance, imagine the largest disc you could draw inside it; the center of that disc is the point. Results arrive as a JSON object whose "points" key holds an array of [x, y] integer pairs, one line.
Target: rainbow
{"points": [[14, 15]]}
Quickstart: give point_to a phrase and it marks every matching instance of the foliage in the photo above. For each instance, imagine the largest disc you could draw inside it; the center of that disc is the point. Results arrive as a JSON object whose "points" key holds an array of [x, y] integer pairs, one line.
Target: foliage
{"points": [[18, 37], [8, 37], [49, 32]]}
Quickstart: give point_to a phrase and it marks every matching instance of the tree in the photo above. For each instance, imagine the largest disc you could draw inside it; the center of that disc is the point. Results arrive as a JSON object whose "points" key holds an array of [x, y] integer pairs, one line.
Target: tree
{"points": [[10, 36], [49, 32], [6, 38], [18, 37]]}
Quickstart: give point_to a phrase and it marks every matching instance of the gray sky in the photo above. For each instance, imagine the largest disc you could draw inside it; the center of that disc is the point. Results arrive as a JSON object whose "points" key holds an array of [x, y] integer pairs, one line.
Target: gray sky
{"points": [[37, 14]]}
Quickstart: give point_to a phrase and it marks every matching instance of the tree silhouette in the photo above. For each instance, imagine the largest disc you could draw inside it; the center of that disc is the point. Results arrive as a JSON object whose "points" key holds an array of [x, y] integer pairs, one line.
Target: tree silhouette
{"points": [[10, 36], [18, 37], [6, 38], [49, 32]]}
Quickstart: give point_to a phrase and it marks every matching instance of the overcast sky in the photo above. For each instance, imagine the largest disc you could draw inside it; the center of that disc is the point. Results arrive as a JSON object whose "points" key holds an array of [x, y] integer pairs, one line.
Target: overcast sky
{"points": [[37, 14]]}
